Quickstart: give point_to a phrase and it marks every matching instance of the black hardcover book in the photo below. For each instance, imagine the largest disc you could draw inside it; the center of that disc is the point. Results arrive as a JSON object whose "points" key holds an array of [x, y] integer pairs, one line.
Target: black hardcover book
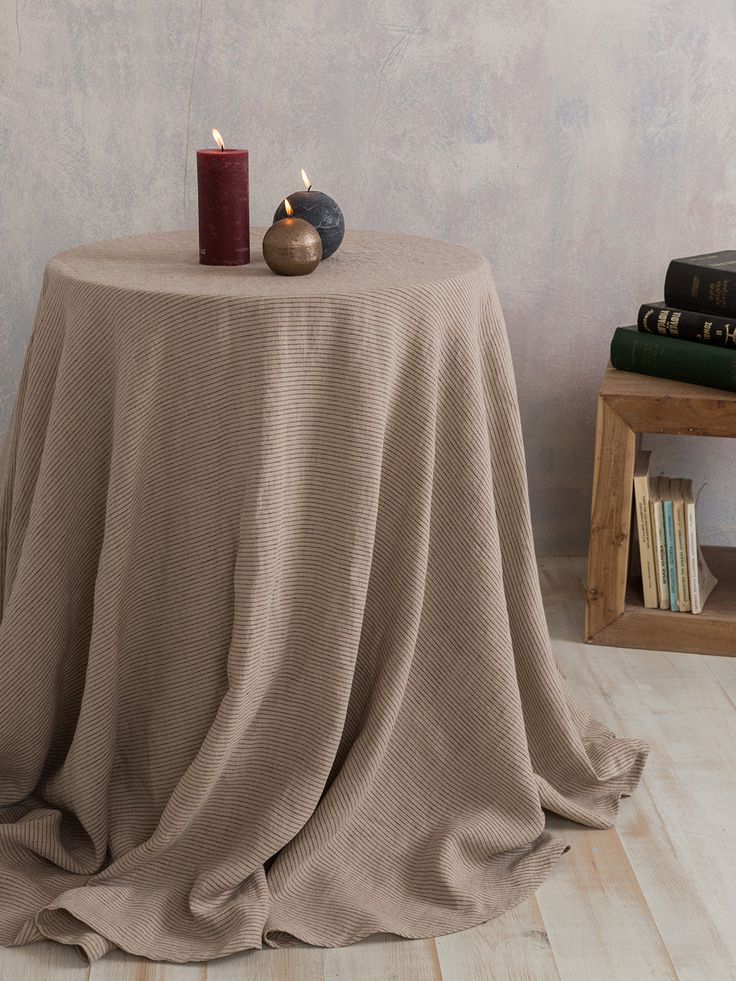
{"points": [[706, 283], [658, 318]]}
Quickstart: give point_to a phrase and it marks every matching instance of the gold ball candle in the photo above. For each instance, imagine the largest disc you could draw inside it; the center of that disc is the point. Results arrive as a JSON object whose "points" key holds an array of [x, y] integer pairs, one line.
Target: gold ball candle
{"points": [[292, 247]]}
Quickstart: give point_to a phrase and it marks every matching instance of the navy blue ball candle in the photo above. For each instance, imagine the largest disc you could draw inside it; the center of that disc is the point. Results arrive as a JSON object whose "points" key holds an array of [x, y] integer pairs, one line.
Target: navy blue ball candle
{"points": [[319, 210]]}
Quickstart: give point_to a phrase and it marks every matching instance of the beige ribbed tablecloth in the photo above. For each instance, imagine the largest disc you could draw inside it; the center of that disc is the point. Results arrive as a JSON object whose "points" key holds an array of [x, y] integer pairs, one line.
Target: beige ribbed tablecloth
{"points": [[273, 660]]}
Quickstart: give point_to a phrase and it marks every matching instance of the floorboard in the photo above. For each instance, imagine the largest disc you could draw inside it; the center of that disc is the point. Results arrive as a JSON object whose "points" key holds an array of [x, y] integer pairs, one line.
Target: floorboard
{"points": [[44, 961], [678, 830], [382, 958], [513, 947], [284, 964]]}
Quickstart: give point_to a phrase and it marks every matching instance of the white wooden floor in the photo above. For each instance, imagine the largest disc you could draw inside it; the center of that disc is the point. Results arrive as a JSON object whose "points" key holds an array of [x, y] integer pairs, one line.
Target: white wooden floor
{"points": [[655, 898]]}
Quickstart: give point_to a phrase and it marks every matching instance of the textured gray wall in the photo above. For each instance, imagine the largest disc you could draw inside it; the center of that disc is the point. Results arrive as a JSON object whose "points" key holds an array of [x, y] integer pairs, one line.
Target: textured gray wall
{"points": [[578, 143]]}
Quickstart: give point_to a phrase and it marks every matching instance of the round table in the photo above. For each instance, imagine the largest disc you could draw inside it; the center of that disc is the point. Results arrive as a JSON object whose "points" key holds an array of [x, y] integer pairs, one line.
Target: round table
{"points": [[273, 659]]}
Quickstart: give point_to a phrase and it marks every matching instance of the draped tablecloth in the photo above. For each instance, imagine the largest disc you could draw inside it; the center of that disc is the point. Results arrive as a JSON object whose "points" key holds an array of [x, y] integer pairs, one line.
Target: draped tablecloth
{"points": [[273, 660]]}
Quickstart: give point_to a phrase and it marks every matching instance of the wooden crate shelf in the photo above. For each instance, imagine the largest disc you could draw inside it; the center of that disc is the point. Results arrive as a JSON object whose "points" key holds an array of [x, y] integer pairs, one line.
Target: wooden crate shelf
{"points": [[628, 405]]}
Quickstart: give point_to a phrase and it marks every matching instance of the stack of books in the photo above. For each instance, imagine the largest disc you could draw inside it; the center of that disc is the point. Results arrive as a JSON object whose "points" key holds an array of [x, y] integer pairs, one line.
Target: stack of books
{"points": [[699, 305], [673, 571]]}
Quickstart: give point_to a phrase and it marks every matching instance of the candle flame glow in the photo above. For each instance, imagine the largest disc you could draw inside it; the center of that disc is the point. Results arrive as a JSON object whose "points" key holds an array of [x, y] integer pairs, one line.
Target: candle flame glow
{"points": [[307, 182], [287, 207], [218, 139]]}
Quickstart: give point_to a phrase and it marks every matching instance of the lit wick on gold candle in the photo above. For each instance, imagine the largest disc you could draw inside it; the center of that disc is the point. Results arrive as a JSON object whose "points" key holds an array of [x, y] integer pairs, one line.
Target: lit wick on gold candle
{"points": [[291, 246]]}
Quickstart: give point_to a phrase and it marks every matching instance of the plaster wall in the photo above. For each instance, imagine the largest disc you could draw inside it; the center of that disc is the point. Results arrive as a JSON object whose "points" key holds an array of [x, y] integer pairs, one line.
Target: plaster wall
{"points": [[578, 143]]}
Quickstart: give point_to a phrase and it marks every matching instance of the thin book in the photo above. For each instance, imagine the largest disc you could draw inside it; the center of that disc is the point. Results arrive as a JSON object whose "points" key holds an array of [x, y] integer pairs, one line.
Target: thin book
{"points": [[668, 512], [660, 543], [644, 529], [681, 558], [702, 580]]}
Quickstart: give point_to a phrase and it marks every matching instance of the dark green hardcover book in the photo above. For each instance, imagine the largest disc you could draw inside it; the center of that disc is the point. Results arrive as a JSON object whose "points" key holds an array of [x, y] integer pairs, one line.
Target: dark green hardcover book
{"points": [[703, 282], [706, 328], [666, 357]]}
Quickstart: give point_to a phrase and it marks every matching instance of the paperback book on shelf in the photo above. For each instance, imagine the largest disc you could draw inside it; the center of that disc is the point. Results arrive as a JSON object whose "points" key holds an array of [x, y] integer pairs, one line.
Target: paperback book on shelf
{"points": [[702, 581], [660, 545], [675, 576], [681, 564], [644, 529], [669, 537]]}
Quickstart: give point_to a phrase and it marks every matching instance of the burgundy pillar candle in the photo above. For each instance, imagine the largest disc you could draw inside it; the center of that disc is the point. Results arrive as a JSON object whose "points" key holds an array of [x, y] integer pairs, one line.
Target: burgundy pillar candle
{"points": [[224, 219]]}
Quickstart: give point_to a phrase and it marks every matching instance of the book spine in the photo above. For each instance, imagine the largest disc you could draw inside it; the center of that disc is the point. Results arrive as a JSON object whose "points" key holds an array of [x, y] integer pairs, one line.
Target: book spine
{"points": [[683, 590], [669, 532], [692, 559], [646, 548], [704, 288], [687, 325], [660, 555], [650, 354]]}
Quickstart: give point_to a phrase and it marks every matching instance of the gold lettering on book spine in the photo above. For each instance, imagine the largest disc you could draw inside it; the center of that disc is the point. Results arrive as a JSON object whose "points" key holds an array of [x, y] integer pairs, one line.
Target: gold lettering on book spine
{"points": [[718, 292], [668, 322]]}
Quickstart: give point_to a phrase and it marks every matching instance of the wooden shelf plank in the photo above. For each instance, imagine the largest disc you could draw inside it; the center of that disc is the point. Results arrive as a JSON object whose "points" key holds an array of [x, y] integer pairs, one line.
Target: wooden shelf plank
{"points": [[610, 521], [644, 630], [659, 405], [711, 632]]}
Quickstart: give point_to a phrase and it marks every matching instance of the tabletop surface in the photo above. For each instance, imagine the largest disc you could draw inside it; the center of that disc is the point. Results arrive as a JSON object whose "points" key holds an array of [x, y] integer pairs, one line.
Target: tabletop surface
{"points": [[168, 262]]}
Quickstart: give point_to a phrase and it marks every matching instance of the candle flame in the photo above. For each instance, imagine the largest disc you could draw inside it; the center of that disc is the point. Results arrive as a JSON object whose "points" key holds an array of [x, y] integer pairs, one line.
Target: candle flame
{"points": [[307, 182], [287, 207], [218, 139]]}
